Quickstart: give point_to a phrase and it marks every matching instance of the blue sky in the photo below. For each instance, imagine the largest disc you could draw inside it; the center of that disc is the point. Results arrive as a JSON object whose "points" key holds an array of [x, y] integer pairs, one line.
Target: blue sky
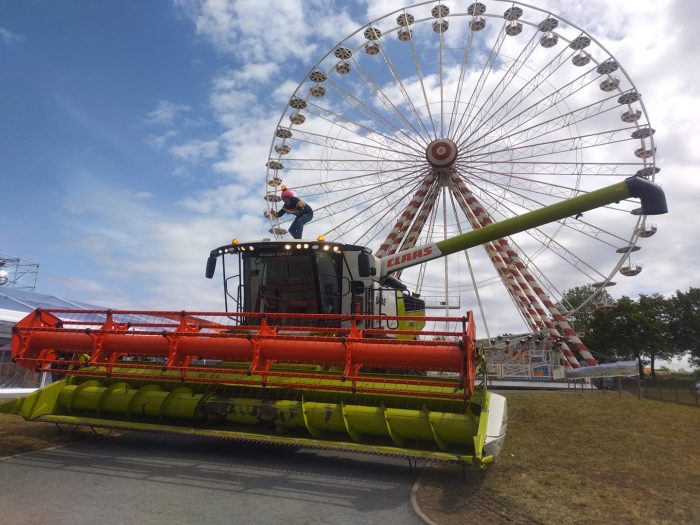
{"points": [[90, 93], [134, 135]]}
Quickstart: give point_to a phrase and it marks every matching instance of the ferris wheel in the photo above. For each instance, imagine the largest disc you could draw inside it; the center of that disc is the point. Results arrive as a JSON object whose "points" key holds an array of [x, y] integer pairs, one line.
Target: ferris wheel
{"points": [[440, 118]]}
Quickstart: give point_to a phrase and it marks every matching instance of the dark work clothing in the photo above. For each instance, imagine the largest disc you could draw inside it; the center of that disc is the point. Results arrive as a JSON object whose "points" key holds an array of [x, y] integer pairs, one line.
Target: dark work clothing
{"points": [[297, 227], [303, 213], [295, 206]]}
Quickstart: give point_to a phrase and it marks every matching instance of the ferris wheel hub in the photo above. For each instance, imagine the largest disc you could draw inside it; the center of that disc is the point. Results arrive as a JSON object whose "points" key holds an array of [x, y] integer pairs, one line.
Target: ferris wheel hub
{"points": [[441, 153]]}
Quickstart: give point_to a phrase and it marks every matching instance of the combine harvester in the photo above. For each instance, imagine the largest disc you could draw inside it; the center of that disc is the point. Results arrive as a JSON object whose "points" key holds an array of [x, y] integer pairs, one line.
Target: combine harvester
{"points": [[324, 348]]}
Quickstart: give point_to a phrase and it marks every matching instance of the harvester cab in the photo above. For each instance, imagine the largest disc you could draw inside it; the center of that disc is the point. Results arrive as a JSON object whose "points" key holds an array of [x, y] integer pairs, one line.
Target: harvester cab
{"points": [[314, 277]]}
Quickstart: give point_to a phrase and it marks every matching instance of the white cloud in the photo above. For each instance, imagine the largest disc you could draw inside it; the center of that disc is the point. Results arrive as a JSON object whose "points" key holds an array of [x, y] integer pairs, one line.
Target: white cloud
{"points": [[283, 92], [255, 31], [222, 201], [260, 73], [183, 174], [195, 150], [166, 113], [9, 38], [160, 141]]}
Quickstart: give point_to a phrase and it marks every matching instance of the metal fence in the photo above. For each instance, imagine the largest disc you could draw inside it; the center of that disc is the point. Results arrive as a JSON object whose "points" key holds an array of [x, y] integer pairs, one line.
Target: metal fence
{"points": [[667, 389], [13, 376]]}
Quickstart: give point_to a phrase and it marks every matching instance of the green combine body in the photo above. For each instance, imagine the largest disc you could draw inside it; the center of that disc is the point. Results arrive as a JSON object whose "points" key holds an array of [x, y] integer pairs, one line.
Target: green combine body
{"points": [[324, 349]]}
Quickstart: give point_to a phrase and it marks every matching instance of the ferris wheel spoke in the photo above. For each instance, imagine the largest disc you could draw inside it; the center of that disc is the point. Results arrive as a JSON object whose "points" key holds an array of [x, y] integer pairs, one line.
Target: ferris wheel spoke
{"points": [[354, 182], [545, 239], [371, 114], [552, 125], [483, 117], [540, 187], [349, 164], [466, 55], [506, 119], [351, 195], [387, 102], [586, 228], [467, 116], [560, 169], [524, 183], [508, 183], [340, 119], [349, 201], [419, 74], [568, 144], [361, 211], [407, 98], [472, 276], [394, 237], [483, 114], [362, 148]]}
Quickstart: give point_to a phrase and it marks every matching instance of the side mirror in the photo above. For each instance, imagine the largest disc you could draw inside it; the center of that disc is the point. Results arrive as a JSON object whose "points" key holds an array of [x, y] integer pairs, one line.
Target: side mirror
{"points": [[211, 267], [364, 265]]}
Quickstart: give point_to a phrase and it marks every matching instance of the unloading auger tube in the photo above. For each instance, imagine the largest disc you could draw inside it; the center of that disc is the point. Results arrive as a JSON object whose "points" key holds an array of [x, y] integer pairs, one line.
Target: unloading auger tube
{"points": [[653, 202]]}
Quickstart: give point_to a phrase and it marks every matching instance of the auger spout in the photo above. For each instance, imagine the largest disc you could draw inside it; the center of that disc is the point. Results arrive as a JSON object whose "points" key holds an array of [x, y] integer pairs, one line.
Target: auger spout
{"points": [[652, 198]]}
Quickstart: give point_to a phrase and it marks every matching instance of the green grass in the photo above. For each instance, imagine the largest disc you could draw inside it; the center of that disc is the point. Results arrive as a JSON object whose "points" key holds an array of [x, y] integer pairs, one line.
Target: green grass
{"points": [[579, 458]]}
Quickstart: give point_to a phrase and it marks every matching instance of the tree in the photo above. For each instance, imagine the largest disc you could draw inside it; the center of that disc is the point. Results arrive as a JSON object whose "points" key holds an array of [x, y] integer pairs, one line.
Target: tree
{"points": [[581, 316], [653, 327], [685, 323], [637, 329], [653, 315], [616, 332]]}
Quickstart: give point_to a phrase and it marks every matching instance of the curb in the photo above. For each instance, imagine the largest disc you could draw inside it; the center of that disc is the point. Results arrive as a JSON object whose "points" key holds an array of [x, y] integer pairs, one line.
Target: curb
{"points": [[414, 501]]}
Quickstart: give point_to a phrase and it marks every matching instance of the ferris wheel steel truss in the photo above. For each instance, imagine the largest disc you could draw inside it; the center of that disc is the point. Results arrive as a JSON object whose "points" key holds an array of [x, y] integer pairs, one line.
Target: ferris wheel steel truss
{"points": [[402, 134]]}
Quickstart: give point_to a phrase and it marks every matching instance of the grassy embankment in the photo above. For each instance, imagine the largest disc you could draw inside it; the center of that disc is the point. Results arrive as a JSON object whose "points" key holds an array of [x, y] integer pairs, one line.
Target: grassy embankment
{"points": [[579, 458]]}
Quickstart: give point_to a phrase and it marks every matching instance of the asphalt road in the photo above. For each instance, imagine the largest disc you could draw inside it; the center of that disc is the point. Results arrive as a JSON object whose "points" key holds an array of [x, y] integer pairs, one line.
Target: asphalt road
{"points": [[153, 479]]}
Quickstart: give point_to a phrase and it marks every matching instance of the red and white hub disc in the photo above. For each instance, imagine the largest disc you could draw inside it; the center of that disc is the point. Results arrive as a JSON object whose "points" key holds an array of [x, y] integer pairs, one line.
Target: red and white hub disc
{"points": [[441, 153]]}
